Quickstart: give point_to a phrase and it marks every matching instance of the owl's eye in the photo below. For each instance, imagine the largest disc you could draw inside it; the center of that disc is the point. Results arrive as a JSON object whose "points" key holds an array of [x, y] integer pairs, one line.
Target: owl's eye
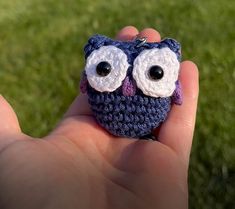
{"points": [[156, 71], [106, 68], [103, 69]]}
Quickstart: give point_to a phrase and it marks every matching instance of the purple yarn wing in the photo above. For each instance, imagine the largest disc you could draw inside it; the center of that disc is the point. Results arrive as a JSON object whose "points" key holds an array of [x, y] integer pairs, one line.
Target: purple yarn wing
{"points": [[83, 84], [177, 96]]}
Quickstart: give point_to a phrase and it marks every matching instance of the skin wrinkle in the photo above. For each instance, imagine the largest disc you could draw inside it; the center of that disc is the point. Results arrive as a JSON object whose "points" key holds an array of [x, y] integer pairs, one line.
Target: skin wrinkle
{"points": [[106, 165], [113, 180], [176, 151], [7, 146], [82, 150], [186, 123], [144, 172], [37, 149], [62, 148]]}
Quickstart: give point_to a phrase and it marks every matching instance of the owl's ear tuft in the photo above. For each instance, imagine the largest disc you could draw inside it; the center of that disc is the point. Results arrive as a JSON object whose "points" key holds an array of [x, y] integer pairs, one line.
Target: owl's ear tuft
{"points": [[95, 42], [173, 45]]}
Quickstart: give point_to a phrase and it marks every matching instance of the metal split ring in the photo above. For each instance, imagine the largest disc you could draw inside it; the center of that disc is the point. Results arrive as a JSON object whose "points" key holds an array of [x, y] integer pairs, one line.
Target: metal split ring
{"points": [[142, 41]]}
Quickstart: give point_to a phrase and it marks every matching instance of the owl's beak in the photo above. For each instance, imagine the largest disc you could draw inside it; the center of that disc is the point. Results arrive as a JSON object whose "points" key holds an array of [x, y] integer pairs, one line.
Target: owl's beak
{"points": [[128, 87]]}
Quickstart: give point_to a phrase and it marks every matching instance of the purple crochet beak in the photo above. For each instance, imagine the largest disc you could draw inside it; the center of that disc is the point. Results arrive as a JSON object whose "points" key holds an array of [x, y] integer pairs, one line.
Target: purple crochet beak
{"points": [[128, 87]]}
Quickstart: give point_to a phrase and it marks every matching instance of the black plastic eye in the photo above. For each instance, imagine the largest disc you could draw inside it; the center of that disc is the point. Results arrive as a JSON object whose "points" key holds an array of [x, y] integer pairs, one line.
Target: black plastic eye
{"points": [[156, 72], [103, 69]]}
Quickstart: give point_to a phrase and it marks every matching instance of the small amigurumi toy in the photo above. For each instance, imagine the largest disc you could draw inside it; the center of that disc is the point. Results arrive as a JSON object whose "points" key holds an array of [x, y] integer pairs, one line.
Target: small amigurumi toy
{"points": [[132, 85]]}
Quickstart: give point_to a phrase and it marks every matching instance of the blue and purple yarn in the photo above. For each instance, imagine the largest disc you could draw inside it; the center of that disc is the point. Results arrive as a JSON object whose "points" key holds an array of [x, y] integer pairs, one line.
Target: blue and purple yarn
{"points": [[127, 112]]}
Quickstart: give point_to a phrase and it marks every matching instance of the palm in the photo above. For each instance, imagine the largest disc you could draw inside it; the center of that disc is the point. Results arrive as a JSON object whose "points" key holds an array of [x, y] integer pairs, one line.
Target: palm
{"points": [[109, 172], [79, 164]]}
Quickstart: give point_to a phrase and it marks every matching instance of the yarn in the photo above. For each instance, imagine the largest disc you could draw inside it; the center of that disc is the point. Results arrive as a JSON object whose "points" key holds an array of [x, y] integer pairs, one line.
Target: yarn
{"points": [[128, 116], [124, 100]]}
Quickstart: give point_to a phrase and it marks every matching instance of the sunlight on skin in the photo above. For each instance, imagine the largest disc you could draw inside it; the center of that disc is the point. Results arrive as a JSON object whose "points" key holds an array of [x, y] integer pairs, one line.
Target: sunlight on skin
{"points": [[80, 165]]}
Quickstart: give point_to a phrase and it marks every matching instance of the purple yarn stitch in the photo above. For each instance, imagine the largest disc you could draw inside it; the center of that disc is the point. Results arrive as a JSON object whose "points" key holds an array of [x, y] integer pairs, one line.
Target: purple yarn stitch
{"points": [[128, 87]]}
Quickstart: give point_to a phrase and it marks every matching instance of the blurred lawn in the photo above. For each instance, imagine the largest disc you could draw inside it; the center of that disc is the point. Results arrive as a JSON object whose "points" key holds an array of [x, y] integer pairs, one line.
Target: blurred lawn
{"points": [[41, 57]]}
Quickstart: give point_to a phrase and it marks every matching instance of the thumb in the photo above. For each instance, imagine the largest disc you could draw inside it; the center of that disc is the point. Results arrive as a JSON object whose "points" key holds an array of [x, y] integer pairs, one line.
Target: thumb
{"points": [[9, 125], [8, 119]]}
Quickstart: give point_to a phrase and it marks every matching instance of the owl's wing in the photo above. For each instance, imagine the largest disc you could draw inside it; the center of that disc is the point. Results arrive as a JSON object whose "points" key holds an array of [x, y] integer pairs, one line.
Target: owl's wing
{"points": [[177, 97], [83, 83]]}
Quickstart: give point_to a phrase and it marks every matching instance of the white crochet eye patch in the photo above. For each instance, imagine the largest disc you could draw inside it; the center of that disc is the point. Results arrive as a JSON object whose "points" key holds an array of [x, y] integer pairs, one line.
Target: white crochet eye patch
{"points": [[119, 65], [167, 60]]}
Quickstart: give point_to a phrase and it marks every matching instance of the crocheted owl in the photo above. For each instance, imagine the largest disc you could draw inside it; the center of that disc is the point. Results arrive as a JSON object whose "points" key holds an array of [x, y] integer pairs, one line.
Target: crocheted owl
{"points": [[132, 85]]}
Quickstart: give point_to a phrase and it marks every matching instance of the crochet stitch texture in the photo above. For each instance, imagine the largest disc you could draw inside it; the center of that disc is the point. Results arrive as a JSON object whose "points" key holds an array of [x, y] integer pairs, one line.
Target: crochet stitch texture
{"points": [[133, 116], [126, 110]]}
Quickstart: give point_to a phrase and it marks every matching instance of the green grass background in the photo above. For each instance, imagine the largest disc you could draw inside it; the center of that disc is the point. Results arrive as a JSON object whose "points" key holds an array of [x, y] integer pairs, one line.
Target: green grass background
{"points": [[41, 57]]}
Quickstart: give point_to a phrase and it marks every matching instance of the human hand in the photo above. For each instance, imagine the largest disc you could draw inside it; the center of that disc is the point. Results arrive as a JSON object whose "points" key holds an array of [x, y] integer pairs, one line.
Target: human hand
{"points": [[79, 165]]}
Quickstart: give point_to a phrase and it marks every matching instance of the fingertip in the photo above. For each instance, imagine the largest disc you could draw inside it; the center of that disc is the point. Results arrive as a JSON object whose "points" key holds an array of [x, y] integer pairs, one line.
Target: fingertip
{"points": [[189, 77], [151, 34], [127, 33], [190, 65]]}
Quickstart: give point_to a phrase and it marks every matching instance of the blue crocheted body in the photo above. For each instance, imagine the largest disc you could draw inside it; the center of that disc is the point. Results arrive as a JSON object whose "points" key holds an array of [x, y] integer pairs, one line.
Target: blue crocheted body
{"points": [[128, 116], [133, 116]]}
